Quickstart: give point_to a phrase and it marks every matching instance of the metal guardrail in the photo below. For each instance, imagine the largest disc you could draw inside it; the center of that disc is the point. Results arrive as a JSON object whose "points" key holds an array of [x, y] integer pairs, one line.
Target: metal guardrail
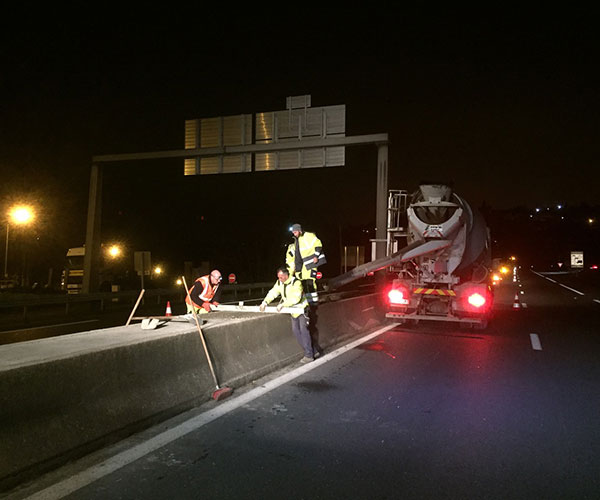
{"points": [[26, 304]]}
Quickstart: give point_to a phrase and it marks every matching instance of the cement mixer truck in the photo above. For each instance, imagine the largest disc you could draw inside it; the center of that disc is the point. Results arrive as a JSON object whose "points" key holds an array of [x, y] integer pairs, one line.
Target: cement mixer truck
{"points": [[443, 273]]}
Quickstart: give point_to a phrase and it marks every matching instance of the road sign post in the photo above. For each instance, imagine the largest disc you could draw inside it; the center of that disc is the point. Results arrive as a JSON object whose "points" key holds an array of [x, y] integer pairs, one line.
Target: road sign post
{"points": [[143, 264]]}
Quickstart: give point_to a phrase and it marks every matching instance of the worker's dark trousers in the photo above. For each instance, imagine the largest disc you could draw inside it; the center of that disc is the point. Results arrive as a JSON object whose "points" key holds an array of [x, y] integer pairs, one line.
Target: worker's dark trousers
{"points": [[310, 291], [300, 328]]}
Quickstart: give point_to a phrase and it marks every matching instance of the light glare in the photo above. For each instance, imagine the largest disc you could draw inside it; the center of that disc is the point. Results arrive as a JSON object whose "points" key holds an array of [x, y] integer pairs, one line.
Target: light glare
{"points": [[21, 214], [397, 296], [476, 300], [114, 251]]}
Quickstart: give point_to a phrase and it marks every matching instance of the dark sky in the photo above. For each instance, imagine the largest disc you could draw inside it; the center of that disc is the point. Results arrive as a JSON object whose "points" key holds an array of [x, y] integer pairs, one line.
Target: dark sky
{"points": [[505, 104]]}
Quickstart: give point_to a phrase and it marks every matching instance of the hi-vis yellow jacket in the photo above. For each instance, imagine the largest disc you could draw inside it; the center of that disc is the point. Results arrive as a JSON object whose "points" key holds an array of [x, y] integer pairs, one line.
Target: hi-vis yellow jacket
{"points": [[310, 247], [291, 293]]}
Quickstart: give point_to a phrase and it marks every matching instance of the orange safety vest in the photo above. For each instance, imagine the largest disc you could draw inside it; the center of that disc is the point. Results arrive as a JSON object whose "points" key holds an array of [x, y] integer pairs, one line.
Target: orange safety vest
{"points": [[208, 291]]}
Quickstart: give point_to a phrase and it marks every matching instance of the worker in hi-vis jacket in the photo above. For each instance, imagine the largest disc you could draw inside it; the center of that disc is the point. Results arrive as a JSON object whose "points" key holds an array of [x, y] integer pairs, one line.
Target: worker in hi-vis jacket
{"points": [[302, 258], [204, 293], [290, 290]]}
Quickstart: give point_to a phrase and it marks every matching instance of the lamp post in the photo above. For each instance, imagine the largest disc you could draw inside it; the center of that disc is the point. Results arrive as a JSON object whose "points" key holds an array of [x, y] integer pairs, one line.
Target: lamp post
{"points": [[6, 253], [21, 215], [113, 268]]}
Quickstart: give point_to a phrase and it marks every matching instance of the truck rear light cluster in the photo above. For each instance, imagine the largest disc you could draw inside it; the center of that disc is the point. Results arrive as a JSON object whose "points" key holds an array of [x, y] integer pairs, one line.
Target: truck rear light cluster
{"points": [[476, 300], [398, 296]]}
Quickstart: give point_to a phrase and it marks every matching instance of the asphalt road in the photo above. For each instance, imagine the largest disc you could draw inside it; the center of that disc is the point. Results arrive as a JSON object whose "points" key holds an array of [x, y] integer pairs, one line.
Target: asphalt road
{"points": [[430, 412]]}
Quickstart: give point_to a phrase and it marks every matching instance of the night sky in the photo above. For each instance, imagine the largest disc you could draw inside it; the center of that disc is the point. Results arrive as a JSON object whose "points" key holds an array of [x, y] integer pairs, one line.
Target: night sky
{"points": [[503, 104]]}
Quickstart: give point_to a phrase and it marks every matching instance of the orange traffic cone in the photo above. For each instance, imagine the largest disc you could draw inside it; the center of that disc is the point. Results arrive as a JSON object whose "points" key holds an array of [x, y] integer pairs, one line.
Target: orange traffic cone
{"points": [[517, 302], [168, 313]]}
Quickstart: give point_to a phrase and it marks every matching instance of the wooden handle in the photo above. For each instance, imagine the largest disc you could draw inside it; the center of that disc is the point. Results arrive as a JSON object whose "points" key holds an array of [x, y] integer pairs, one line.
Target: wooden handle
{"points": [[135, 307]]}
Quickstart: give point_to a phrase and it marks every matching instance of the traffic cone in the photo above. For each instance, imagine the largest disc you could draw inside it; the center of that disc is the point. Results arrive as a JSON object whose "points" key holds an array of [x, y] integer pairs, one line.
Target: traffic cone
{"points": [[517, 302], [168, 313]]}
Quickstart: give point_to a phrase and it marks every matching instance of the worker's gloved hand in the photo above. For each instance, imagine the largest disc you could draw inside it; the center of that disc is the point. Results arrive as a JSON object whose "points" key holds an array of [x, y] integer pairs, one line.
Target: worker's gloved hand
{"points": [[215, 303], [206, 306], [262, 307], [279, 307]]}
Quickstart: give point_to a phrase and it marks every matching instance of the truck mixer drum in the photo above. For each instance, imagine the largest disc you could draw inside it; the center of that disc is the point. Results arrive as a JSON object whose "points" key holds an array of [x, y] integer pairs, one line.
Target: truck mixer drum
{"points": [[480, 273], [432, 204]]}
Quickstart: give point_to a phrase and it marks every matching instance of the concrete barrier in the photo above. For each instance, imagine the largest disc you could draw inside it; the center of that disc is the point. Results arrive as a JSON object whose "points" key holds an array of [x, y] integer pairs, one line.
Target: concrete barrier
{"points": [[63, 397]]}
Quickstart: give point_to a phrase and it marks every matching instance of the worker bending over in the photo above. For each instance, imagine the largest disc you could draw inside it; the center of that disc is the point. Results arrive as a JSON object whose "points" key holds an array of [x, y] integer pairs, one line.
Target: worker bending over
{"points": [[290, 290], [204, 294]]}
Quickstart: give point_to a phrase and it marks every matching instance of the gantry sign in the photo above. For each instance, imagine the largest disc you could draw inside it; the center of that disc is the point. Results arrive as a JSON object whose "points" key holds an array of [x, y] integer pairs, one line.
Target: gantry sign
{"points": [[298, 137], [298, 123]]}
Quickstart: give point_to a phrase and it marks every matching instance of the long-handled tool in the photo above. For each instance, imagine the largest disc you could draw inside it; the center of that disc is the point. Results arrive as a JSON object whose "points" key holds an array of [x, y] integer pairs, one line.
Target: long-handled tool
{"points": [[135, 307], [254, 309], [220, 392]]}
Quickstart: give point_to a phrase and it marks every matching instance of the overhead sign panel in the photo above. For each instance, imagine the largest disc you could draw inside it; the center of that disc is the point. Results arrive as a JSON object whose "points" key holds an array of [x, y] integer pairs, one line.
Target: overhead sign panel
{"points": [[217, 132], [295, 124], [298, 123]]}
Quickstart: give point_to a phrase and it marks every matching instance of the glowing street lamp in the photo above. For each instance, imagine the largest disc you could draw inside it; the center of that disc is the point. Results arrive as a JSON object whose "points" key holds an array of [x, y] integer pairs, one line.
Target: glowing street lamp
{"points": [[157, 270], [114, 251], [20, 215]]}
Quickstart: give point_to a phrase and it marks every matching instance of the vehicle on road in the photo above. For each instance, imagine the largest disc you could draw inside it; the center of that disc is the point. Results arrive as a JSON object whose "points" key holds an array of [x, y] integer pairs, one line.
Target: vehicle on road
{"points": [[443, 273], [71, 280]]}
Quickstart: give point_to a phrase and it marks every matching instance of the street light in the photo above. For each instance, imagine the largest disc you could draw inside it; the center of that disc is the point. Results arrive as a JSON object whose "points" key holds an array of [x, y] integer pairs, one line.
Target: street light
{"points": [[114, 251], [21, 215]]}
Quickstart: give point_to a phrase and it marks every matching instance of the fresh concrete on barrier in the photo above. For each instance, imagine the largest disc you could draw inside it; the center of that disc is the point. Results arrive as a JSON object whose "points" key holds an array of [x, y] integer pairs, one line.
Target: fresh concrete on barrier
{"points": [[64, 397]]}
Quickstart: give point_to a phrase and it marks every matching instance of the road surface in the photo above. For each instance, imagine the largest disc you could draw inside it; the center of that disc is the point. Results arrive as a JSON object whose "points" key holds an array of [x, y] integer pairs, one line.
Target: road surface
{"points": [[429, 412]]}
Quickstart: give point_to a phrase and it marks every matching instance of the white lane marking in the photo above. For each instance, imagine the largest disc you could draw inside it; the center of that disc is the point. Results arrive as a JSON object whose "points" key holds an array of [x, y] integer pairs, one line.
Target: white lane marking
{"points": [[564, 286], [545, 277], [535, 342], [52, 326], [368, 309], [88, 476], [572, 289], [596, 300]]}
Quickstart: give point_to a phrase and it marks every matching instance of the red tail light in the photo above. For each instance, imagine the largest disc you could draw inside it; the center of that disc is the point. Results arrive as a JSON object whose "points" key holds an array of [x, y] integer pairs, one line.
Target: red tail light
{"points": [[398, 296], [476, 300]]}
